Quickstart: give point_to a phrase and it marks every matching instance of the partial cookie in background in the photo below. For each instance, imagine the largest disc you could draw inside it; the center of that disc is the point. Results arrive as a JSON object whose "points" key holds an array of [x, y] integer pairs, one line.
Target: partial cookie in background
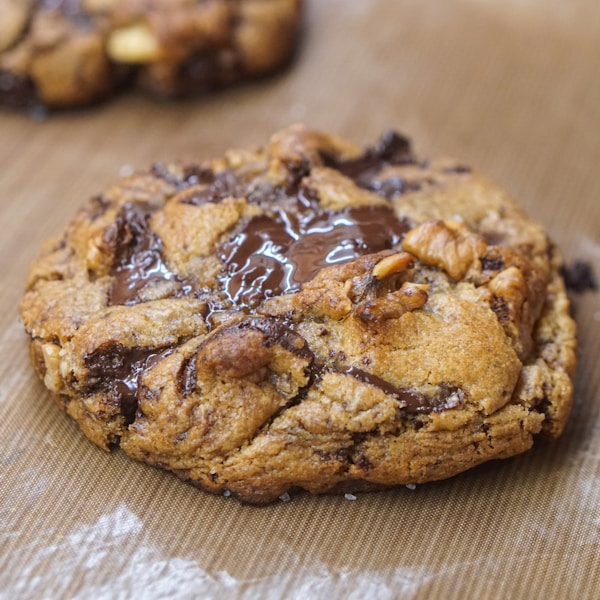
{"points": [[64, 53], [308, 315]]}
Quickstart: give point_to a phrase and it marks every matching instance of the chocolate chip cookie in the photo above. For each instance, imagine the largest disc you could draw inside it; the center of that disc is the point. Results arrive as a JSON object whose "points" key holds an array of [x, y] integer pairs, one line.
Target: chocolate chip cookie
{"points": [[61, 53], [308, 315]]}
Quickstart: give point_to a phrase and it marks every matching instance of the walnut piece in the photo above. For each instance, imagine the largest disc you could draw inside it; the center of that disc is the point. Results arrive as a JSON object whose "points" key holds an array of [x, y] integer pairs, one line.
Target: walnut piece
{"points": [[409, 297], [134, 44], [52, 378], [445, 244], [390, 265], [510, 290]]}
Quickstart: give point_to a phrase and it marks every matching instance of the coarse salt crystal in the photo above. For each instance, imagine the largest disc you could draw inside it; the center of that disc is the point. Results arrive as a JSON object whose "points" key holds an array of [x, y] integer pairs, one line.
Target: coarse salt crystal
{"points": [[350, 496], [126, 170]]}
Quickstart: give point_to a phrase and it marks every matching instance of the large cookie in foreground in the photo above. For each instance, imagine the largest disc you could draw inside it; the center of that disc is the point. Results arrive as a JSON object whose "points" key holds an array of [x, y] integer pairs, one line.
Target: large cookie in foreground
{"points": [[62, 53], [306, 315]]}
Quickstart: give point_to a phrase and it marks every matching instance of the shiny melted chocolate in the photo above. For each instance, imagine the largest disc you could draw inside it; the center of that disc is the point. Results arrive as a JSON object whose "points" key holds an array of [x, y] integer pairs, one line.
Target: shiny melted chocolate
{"points": [[138, 258], [121, 369], [276, 253]]}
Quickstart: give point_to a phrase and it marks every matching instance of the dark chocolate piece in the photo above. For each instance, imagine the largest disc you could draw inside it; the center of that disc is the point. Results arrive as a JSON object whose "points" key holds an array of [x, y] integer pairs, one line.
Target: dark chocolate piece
{"points": [[492, 264], [118, 370], [16, 92], [138, 259], [206, 71], [275, 254], [218, 187], [446, 397], [392, 149], [187, 376], [579, 277]]}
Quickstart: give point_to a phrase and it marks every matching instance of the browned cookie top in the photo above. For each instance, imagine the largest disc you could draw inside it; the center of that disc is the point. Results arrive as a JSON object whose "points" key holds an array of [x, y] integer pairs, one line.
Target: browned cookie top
{"points": [[71, 52], [308, 314]]}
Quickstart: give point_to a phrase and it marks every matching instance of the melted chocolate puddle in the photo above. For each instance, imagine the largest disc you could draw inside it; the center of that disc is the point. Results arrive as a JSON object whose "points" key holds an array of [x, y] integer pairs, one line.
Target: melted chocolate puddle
{"points": [[276, 253], [122, 368], [138, 258]]}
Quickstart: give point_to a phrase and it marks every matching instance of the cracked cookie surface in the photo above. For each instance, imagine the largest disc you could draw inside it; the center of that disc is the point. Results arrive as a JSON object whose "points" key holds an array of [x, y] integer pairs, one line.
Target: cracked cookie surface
{"points": [[305, 315], [62, 53]]}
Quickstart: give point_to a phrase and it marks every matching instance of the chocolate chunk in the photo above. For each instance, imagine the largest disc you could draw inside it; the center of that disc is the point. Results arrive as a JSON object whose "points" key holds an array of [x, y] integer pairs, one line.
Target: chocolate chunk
{"points": [[275, 254], [117, 370], [16, 91], [196, 174], [579, 276], [392, 187], [388, 188], [206, 71], [446, 397], [271, 254], [160, 170], [219, 187], [297, 171], [192, 175], [392, 149], [500, 307], [492, 264], [138, 259], [187, 376]]}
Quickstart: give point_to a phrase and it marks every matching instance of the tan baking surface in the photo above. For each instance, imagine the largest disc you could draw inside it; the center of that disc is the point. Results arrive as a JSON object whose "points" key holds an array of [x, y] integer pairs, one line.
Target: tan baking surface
{"points": [[512, 87]]}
